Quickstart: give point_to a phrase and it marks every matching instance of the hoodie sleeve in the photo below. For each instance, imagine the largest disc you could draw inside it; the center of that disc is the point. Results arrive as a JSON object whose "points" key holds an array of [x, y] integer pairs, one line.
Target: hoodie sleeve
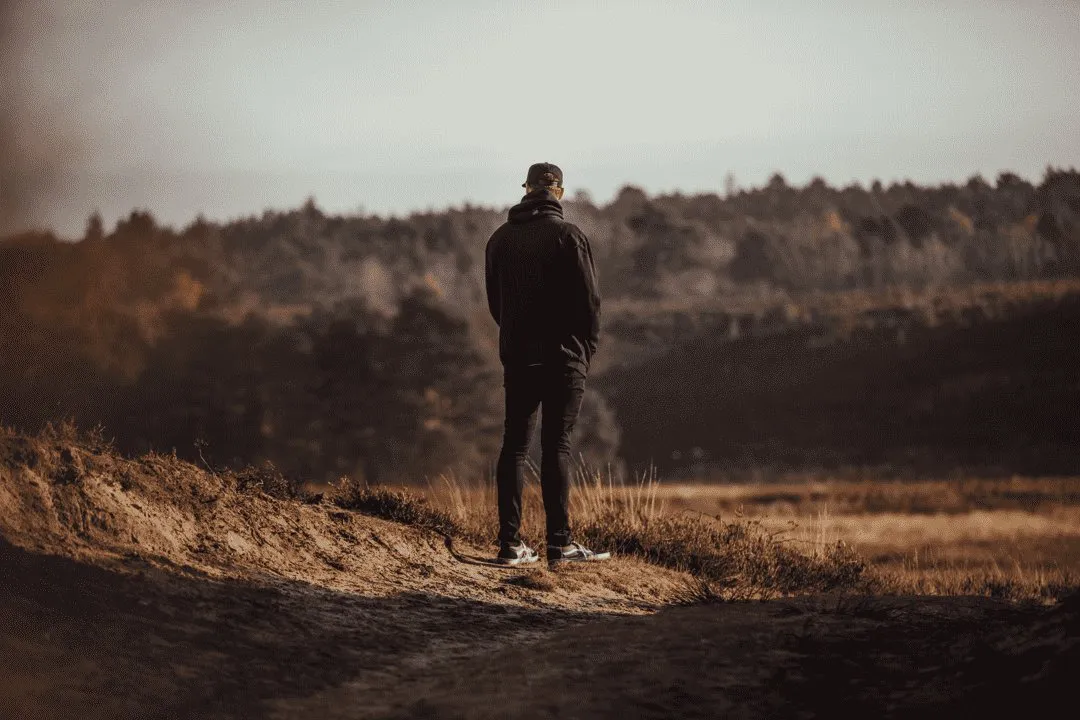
{"points": [[585, 294], [491, 280]]}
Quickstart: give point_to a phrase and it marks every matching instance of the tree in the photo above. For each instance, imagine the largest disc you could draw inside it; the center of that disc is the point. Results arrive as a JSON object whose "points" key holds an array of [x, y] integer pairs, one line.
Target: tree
{"points": [[753, 261], [95, 228]]}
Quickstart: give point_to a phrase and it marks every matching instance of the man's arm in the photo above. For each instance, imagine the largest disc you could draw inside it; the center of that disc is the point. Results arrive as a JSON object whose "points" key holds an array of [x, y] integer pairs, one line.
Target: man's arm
{"points": [[491, 280], [585, 291]]}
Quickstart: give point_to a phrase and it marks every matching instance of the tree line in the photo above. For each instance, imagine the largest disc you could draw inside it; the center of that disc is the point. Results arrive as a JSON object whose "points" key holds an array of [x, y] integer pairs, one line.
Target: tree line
{"points": [[358, 344]]}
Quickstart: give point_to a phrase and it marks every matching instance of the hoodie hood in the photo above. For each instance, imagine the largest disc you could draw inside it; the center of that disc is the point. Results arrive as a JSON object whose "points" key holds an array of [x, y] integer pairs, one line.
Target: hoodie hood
{"points": [[535, 205]]}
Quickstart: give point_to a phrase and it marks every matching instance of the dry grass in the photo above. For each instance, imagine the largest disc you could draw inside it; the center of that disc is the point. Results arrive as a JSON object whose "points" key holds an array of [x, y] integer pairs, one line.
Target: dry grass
{"points": [[740, 559], [869, 493], [1017, 537]]}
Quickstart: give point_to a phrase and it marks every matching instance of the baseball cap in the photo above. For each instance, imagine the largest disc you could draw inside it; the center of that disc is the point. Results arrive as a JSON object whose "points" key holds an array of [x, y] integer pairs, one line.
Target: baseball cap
{"points": [[543, 174]]}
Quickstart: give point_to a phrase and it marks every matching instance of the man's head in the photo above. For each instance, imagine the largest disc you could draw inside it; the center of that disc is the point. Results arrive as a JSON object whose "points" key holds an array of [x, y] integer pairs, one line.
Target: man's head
{"points": [[544, 176]]}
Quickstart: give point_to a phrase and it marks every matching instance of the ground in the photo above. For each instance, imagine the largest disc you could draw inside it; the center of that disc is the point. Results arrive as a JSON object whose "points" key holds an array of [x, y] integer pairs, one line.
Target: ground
{"points": [[149, 588]]}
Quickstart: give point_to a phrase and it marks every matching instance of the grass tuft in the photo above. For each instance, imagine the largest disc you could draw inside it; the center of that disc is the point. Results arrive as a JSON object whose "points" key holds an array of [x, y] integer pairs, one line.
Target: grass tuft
{"points": [[740, 559], [398, 505], [268, 479]]}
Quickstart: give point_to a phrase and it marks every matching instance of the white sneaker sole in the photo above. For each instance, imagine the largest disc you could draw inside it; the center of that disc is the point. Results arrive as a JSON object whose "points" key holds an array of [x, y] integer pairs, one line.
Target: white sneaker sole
{"points": [[517, 561]]}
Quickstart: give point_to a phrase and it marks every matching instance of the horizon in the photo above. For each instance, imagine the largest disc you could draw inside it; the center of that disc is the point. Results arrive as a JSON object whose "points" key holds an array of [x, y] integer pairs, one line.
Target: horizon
{"points": [[572, 196]]}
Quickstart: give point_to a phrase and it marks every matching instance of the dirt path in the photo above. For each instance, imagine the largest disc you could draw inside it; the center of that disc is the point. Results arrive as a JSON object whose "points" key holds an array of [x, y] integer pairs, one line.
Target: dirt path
{"points": [[85, 642], [814, 657]]}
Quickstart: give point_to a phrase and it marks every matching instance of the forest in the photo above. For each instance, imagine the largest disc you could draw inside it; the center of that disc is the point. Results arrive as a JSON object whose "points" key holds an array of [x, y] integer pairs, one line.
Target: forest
{"points": [[360, 345]]}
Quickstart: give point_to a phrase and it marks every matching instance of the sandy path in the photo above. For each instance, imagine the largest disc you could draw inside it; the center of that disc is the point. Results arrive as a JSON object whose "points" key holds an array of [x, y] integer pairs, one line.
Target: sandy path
{"points": [[798, 658], [84, 642]]}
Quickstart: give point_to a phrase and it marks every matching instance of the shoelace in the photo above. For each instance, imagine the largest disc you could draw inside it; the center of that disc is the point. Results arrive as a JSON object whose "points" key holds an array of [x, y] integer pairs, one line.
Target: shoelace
{"points": [[582, 549]]}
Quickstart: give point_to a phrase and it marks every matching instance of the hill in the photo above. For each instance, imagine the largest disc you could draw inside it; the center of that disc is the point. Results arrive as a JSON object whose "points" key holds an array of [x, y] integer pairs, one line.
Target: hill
{"points": [[922, 388]]}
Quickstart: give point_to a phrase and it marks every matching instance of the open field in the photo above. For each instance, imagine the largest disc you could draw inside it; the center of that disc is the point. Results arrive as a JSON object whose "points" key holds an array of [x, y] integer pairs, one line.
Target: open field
{"points": [[1013, 536]]}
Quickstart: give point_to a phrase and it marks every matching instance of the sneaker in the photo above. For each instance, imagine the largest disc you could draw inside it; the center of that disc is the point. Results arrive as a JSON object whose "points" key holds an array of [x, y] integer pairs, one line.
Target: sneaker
{"points": [[516, 554], [574, 552]]}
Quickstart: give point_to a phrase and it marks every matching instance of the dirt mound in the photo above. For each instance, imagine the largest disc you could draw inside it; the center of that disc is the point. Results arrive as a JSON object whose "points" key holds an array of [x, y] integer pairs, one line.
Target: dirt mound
{"points": [[64, 496]]}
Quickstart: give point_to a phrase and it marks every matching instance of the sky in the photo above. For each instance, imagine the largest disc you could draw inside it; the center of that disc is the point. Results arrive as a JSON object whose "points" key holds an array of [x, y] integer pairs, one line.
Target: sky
{"points": [[226, 109]]}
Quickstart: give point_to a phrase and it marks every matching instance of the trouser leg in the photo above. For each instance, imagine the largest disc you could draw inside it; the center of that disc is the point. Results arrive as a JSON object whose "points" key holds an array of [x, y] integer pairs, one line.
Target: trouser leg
{"points": [[522, 399], [563, 392]]}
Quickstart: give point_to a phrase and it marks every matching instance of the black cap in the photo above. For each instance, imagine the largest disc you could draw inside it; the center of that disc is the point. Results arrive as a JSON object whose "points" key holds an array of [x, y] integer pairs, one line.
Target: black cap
{"points": [[543, 175]]}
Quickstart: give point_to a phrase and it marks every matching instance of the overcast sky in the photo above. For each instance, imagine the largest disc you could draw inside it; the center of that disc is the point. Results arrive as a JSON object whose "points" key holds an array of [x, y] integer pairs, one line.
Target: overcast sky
{"points": [[227, 108]]}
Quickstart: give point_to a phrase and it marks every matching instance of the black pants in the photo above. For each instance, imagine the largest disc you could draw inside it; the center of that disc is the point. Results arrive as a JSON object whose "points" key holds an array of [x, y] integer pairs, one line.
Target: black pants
{"points": [[559, 390]]}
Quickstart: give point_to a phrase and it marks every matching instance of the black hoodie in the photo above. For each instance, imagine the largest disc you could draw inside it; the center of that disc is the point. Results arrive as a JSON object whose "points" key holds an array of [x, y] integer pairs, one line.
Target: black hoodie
{"points": [[541, 287]]}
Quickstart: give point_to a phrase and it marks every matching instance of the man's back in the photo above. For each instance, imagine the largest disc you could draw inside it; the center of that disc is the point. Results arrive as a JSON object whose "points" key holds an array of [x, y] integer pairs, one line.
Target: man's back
{"points": [[541, 286]]}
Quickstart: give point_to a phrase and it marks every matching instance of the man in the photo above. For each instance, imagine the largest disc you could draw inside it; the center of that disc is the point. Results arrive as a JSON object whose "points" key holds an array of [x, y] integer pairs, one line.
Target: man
{"points": [[541, 288]]}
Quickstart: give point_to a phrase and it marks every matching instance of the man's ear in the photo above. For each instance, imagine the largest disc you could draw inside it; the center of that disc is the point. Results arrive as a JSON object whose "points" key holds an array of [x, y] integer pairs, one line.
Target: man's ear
{"points": [[558, 192]]}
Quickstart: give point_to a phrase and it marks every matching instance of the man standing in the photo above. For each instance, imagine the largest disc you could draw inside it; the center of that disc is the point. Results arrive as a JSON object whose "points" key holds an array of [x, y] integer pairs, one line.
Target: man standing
{"points": [[541, 288]]}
